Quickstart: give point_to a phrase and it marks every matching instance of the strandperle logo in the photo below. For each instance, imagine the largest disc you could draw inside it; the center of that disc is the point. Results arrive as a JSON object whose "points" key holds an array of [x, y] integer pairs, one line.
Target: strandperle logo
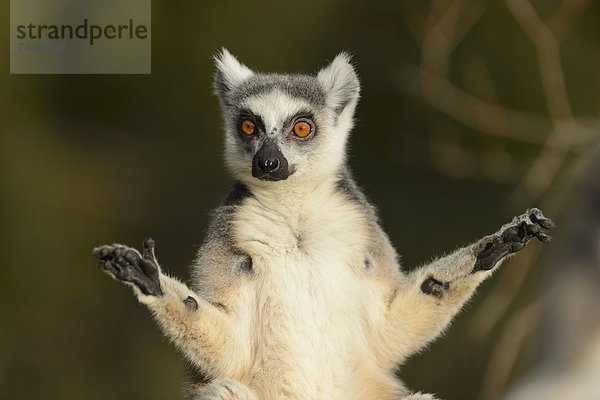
{"points": [[88, 31], [80, 37]]}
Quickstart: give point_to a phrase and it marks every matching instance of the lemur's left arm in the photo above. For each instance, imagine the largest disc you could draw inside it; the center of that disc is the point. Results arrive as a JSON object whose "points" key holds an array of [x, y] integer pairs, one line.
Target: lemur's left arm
{"points": [[430, 296]]}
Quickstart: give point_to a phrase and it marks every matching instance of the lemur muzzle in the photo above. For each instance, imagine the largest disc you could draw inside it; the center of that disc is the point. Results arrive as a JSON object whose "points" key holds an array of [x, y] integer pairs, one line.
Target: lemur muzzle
{"points": [[269, 163]]}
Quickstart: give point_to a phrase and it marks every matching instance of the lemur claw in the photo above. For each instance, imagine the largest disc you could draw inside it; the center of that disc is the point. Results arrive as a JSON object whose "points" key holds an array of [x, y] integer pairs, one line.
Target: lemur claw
{"points": [[511, 238], [128, 265]]}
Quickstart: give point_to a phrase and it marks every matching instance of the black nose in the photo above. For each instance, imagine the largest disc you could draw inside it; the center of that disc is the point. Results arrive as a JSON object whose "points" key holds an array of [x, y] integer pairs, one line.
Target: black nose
{"points": [[270, 165]]}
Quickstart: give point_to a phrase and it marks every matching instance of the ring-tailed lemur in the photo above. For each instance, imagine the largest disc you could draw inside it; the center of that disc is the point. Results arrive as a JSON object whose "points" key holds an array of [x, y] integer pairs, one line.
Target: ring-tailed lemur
{"points": [[297, 293]]}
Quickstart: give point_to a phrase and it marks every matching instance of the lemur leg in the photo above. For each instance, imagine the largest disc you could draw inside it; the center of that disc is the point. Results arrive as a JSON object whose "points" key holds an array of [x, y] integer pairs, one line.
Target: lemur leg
{"points": [[200, 330], [223, 389], [430, 296]]}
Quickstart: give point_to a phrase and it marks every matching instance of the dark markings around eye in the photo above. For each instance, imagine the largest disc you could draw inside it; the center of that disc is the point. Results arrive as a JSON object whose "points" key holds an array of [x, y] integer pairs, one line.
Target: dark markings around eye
{"points": [[255, 119], [303, 115]]}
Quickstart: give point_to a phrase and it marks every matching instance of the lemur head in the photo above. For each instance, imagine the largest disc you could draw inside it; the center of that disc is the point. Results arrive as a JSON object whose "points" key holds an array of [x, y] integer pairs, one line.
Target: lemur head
{"points": [[285, 127]]}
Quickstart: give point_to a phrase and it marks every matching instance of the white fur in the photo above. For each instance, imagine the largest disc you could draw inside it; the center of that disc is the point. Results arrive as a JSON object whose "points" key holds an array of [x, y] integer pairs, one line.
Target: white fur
{"points": [[304, 292], [310, 321], [320, 164], [338, 79], [234, 72]]}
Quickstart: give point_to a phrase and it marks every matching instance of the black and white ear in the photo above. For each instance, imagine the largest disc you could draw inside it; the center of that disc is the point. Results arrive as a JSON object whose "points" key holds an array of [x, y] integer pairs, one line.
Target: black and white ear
{"points": [[340, 82], [230, 72]]}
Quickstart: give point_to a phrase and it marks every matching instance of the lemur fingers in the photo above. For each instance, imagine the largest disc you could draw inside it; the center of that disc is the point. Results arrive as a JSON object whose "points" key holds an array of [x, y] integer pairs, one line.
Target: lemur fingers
{"points": [[128, 265], [512, 238], [148, 250]]}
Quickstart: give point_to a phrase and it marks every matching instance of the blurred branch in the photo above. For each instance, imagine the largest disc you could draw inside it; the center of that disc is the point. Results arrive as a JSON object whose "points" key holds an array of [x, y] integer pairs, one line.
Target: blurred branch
{"points": [[547, 165], [508, 348], [438, 39], [512, 279], [495, 305], [558, 134], [561, 19], [478, 80], [543, 172], [549, 58], [474, 112], [446, 32], [452, 158], [544, 169]]}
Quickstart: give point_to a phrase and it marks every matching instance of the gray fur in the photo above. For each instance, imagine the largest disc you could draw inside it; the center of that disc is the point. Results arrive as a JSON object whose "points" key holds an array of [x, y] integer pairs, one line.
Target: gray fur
{"points": [[305, 87], [348, 187], [220, 249], [297, 292]]}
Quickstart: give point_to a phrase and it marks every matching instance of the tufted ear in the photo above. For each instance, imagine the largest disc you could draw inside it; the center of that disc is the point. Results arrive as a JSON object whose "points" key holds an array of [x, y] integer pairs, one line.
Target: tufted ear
{"points": [[340, 82], [230, 73]]}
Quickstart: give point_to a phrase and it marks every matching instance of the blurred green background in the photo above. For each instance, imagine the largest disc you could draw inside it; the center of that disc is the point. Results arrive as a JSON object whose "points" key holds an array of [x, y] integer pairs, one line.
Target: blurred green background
{"points": [[471, 112]]}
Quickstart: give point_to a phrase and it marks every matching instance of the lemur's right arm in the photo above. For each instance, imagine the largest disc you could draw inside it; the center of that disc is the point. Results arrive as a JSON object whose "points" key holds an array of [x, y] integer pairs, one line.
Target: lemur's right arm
{"points": [[201, 330]]}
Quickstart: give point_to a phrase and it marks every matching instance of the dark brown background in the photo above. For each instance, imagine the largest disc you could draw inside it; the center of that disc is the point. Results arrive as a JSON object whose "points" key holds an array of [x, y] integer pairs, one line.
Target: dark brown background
{"points": [[463, 123]]}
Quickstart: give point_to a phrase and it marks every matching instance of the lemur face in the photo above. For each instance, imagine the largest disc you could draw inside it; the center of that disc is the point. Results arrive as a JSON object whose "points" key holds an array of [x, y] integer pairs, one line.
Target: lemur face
{"points": [[285, 126], [277, 123]]}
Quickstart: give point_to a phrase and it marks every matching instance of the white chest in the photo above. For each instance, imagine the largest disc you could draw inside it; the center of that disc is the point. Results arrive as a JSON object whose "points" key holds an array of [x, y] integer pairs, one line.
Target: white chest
{"points": [[308, 292], [319, 228]]}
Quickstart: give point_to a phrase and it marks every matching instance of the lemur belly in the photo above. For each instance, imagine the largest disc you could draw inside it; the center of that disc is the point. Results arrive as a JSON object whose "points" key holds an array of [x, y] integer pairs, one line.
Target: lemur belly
{"points": [[306, 330], [308, 298]]}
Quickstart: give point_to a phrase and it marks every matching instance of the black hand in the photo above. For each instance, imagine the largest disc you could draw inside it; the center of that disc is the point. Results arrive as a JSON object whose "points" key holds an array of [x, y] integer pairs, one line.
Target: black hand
{"points": [[512, 238], [128, 265]]}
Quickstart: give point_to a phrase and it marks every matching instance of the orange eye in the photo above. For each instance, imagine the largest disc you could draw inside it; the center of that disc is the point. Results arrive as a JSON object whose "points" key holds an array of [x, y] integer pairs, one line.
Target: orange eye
{"points": [[302, 129], [247, 127]]}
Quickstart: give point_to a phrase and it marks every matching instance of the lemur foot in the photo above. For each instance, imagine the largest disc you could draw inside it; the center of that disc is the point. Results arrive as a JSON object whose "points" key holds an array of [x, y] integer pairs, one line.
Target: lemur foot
{"points": [[511, 238], [128, 265]]}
